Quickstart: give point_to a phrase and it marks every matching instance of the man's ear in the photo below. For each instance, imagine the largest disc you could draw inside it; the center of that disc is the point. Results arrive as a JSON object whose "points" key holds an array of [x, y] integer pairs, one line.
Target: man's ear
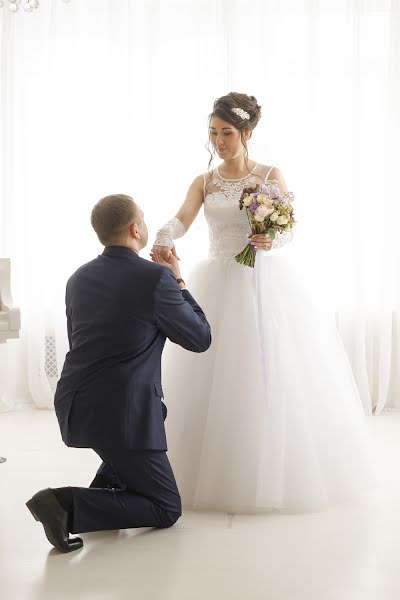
{"points": [[134, 231]]}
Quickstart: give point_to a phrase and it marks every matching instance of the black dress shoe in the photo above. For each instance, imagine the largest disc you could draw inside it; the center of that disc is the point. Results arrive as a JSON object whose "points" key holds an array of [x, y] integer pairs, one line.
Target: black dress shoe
{"points": [[45, 508]]}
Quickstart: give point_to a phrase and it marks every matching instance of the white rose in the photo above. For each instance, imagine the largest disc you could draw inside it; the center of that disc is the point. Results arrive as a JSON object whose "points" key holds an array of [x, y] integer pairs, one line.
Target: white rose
{"points": [[263, 211], [259, 218], [248, 200], [282, 220], [266, 200], [274, 217]]}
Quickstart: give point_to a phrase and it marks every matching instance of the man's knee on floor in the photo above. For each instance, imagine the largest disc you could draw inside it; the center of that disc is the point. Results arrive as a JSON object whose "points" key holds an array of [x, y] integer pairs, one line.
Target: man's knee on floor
{"points": [[169, 519]]}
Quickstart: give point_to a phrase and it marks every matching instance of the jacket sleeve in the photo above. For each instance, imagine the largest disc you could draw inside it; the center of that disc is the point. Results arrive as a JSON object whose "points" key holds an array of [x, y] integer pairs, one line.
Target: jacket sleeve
{"points": [[178, 316]]}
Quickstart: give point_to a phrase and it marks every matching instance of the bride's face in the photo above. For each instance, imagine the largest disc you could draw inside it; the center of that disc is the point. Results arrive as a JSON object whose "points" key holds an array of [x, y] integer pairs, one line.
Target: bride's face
{"points": [[225, 138]]}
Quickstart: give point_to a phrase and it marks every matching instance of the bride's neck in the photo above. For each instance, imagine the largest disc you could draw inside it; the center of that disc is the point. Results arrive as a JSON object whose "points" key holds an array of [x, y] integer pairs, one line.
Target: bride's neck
{"points": [[236, 167]]}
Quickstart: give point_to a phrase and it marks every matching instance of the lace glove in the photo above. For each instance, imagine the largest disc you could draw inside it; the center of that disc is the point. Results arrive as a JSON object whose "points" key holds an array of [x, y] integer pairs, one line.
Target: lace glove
{"points": [[282, 238], [169, 232]]}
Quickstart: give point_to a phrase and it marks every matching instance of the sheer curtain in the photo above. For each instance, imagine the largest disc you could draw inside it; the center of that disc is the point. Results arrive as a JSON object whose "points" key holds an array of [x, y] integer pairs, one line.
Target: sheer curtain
{"points": [[104, 96]]}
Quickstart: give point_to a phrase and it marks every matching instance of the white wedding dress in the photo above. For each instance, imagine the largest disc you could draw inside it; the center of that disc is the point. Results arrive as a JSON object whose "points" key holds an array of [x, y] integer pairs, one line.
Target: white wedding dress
{"points": [[269, 417]]}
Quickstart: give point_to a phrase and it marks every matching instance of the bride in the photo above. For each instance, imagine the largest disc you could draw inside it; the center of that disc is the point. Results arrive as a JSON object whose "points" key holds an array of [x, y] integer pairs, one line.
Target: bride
{"points": [[269, 418]]}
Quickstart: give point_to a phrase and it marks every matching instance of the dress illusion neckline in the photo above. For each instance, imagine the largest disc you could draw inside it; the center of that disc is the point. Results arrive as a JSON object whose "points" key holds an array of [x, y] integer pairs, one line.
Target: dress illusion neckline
{"points": [[240, 178]]}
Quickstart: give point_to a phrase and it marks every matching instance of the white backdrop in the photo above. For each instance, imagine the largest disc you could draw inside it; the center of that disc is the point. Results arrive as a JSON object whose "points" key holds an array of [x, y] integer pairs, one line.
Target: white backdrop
{"points": [[106, 96]]}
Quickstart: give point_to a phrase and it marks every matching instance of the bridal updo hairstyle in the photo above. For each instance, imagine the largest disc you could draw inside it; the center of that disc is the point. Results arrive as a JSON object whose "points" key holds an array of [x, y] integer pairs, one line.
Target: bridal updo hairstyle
{"points": [[223, 109], [112, 215]]}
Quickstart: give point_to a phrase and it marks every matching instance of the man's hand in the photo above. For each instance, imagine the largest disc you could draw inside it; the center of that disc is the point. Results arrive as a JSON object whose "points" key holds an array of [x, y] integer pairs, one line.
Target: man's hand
{"points": [[162, 253], [171, 262]]}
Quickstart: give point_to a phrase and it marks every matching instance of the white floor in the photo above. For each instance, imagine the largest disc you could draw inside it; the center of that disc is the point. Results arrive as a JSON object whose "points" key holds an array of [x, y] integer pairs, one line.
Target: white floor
{"points": [[351, 552]]}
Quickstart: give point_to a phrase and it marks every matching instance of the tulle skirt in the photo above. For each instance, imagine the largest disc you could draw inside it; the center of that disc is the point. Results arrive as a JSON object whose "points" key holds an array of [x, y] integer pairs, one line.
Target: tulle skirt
{"points": [[269, 418]]}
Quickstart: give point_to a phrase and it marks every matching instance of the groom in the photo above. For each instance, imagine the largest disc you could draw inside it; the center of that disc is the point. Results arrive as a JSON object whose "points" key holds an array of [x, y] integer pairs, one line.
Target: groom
{"points": [[120, 310]]}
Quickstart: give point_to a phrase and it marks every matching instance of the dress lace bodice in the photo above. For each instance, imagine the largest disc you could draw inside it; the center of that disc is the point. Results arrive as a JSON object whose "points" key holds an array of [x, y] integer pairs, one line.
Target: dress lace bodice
{"points": [[228, 226]]}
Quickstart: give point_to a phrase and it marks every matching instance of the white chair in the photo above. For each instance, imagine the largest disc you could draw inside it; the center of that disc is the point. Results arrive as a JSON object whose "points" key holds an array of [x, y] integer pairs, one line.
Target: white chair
{"points": [[10, 317]]}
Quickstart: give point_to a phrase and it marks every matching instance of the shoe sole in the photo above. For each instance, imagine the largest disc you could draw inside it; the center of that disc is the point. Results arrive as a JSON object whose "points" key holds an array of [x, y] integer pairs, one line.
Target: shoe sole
{"points": [[75, 543]]}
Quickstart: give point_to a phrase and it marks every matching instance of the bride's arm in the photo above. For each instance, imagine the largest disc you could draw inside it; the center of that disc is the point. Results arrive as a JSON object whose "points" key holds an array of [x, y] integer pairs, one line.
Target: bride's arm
{"points": [[178, 225]]}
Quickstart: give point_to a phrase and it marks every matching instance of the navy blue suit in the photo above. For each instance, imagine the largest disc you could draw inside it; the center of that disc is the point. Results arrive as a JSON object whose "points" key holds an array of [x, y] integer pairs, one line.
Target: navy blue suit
{"points": [[120, 310]]}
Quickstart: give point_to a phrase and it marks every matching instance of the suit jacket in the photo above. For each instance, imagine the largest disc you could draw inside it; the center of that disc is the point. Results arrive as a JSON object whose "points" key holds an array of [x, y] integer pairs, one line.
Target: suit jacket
{"points": [[120, 310]]}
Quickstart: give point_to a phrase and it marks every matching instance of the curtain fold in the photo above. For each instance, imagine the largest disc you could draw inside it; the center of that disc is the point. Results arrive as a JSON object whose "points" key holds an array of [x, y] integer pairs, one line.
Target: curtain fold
{"points": [[104, 96]]}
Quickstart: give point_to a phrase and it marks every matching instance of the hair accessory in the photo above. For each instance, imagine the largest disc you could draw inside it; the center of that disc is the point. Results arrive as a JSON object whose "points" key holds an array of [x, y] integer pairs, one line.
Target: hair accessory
{"points": [[241, 113]]}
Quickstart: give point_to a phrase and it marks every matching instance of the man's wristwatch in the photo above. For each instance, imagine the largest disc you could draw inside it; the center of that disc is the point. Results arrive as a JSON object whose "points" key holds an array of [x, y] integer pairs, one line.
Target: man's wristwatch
{"points": [[180, 281]]}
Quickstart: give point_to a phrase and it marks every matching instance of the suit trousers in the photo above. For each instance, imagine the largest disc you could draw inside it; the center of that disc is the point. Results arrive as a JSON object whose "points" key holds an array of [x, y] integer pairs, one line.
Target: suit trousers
{"points": [[146, 496]]}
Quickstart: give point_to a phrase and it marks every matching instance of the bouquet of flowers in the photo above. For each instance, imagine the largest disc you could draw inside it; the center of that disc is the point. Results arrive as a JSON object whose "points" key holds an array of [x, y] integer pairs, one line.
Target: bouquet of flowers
{"points": [[268, 211]]}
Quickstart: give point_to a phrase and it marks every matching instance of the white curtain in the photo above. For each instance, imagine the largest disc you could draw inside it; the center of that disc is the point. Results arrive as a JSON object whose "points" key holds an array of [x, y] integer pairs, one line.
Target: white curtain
{"points": [[107, 96]]}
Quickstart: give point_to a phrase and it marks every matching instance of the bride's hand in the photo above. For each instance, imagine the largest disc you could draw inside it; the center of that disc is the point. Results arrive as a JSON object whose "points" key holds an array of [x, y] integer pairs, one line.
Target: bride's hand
{"points": [[171, 262], [261, 241], [162, 253]]}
